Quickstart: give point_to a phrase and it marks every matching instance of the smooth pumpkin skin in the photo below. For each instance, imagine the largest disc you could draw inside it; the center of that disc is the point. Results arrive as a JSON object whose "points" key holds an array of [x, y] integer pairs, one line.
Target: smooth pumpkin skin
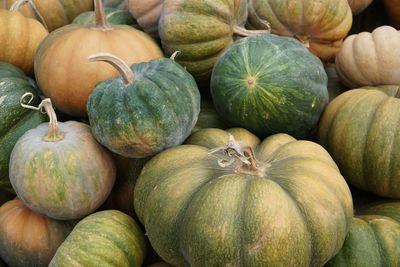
{"points": [[368, 59], [113, 15], [69, 84], [56, 13], [19, 39], [15, 120], [255, 85], [201, 30], [65, 179], [106, 238], [359, 130], [196, 212], [29, 239], [145, 116], [357, 6], [393, 9], [147, 13], [322, 24]]}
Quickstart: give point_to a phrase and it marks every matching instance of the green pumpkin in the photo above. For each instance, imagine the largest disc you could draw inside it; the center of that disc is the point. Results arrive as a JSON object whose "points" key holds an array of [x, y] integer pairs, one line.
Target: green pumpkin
{"points": [[106, 238], [208, 117], [212, 202], [113, 16], [373, 239], [15, 120], [153, 106], [120, 4], [359, 129], [270, 84]]}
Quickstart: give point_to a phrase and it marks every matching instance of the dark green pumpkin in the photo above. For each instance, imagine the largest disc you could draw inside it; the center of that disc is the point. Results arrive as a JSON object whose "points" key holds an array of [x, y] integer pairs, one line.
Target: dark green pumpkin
{"points": [[270, 84], [288, 207], [14, 119], [106, 238], [113, 16], [156, 108], [359, 128]]}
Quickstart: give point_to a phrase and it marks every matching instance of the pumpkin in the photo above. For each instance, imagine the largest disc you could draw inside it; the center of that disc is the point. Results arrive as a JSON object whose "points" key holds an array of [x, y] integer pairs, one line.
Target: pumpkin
{"points": [[393, 9], [255, 84], [208, 117], [201, 30], [358, 128], [55, 13], [113, 15], [59, 170], [320, 25], [225, 199], [15, 120], [140, 114], [19, 38], [147, 13], [373, 238], [120, 4], [70, 82], [29, 238], [106, 238], [357, 6], [370, 58]]}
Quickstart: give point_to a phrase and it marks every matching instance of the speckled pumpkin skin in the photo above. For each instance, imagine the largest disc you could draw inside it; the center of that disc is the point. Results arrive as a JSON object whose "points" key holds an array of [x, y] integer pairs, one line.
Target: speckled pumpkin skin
{"points": [[107, 238], [66, 179]]}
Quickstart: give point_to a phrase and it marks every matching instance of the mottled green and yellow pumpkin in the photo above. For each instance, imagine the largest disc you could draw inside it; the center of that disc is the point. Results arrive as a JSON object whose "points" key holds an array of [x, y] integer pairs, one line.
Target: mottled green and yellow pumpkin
{"points": [[106, 238], [29, 239], [359, 130], [113, 16], [59, 169], [228, 199], [61, 67], [147, 13], [153, 106]]}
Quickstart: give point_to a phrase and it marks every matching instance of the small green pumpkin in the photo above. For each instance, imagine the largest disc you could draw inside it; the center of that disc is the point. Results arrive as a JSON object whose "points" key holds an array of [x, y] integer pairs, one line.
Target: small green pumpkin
{"points": [[106, 238], [153, 106], [113, 16]]}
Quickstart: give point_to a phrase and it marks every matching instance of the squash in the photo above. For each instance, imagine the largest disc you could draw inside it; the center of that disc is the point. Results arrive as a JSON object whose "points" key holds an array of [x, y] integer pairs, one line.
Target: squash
{"points": [[255, 84], [113, 15], [140, 113], [147, 13], [55, 13], [19, 38], [29, 239], [61, 67], [106, 238], [359, 130], [370, 58], [59, 170], [225, 199], [119, 4], [15, 120], [393, 9], [357, 6], [320, 25]]}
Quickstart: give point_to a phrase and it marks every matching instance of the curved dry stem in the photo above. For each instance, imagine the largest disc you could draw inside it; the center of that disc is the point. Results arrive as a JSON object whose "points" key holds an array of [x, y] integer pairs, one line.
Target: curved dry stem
{"points": [[17, 4], [100, 16], [123, 69], [304, 39], [174, 55], [246, 33]]}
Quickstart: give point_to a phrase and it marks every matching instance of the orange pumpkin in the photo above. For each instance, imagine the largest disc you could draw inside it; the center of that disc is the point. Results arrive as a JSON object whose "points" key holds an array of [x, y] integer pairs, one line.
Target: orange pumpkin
{"points": [[147, 14]]}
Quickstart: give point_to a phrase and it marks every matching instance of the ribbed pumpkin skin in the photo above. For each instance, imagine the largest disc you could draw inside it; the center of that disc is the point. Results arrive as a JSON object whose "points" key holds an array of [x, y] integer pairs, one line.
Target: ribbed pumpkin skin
{"points": [[113, 15], [323, 23], [15, 120], [107, 238], [197, 213], [69, 84], [157, 110], [368, 59], [255, 84], [147, 13], [29, 239], [56, 13], [357, 6], [19, 39], [359, 129], [201, 30], [64, 180]]}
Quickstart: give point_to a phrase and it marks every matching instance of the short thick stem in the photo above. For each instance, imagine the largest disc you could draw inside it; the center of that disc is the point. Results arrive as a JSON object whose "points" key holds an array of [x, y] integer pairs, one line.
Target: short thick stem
{"points": [[100, 16], [17, 4], [123, 69]]}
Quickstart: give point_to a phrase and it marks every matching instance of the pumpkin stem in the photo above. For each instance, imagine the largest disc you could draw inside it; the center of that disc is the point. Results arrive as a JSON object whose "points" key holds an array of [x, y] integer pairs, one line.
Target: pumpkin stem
{"points": [[123, 69], [101, 20], [246, 33], [54, 134], [174, 55], [303, 39], [17, 4]]}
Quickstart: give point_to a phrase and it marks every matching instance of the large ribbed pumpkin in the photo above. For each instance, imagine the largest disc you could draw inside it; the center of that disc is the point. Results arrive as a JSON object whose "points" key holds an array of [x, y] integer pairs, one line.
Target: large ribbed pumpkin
{"points": [[320, 25], [63, 71], [359, 128], [59, 169], [227, 199], [29, 239], [107, 238], [370, 58], [14, 119], [147, 13], [151, 107]]}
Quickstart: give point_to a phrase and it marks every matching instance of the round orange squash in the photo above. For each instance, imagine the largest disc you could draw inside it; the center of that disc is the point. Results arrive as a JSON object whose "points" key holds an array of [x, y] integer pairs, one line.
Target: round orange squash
{"points": [[63, 71], [147, 14]]}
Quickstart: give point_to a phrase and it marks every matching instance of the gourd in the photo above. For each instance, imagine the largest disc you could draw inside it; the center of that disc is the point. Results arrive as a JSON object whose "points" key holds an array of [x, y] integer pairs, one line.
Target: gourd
{"points": [[113, 16], [147, 14]]}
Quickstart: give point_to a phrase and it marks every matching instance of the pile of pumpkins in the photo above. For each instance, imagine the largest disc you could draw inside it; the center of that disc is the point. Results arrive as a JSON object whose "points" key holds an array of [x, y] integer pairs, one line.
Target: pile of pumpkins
{"points": [[199, 133]]}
